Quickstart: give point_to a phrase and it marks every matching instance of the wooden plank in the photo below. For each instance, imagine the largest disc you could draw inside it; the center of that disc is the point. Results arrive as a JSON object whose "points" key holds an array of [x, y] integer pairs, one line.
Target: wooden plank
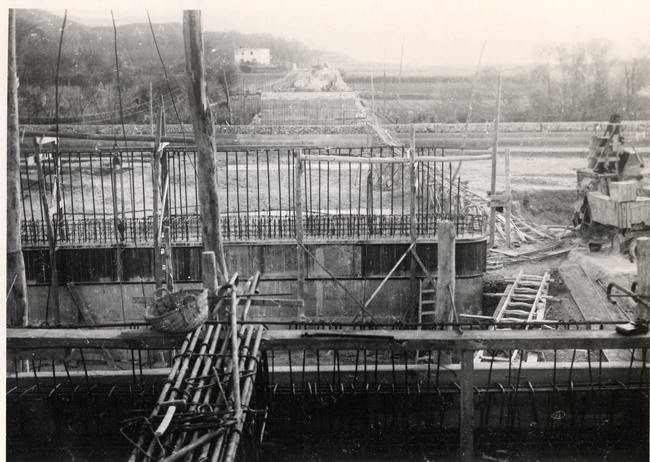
{"points": [[586, 297], [92, 338], [451, 340], [23, 338], [446, 284], [584, 293]]}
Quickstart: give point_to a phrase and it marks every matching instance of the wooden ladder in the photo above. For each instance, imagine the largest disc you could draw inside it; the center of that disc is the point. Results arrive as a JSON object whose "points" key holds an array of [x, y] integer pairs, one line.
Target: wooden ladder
{"points": [[523, 301], [426, 307], [427, 300]]}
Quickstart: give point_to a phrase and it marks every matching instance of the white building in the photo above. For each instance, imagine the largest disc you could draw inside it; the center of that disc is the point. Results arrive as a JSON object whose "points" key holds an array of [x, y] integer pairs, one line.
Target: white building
{"points": [[253, 56]]}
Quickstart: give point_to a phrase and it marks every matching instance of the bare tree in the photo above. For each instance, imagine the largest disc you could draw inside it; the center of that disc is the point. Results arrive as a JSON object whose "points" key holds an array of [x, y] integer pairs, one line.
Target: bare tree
{"points": [[636, 74]]}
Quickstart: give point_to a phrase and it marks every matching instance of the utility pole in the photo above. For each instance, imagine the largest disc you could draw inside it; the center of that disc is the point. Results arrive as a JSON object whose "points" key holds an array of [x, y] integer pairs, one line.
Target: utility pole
{"points": [[204, 136], [16, 279], [399, 81], [495, 149]]}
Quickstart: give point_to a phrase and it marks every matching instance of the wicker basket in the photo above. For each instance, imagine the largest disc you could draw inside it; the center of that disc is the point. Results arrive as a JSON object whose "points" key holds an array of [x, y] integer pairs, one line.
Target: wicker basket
{"points": [[178, 312]]}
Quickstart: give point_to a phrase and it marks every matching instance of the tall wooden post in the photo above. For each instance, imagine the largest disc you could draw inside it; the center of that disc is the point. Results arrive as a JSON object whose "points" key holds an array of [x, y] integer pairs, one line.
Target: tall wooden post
{"points": [[495, 149], [508, 207], [203, 133], [643, 277], [302, 267], [15, 261], [414, 284], [446, 287]]}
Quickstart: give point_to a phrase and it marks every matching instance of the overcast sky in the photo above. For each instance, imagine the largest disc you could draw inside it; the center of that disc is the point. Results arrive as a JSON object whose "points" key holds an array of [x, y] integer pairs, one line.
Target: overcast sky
{"points": [[435, 31]]}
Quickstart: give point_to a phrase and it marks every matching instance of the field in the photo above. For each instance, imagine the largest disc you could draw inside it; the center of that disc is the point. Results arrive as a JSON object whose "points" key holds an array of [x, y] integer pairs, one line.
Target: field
{"points": [[441, 99]]}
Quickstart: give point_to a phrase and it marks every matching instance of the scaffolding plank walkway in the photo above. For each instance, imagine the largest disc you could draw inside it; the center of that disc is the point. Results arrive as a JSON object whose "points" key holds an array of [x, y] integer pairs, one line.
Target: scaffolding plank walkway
{"points": [[587, 297]]}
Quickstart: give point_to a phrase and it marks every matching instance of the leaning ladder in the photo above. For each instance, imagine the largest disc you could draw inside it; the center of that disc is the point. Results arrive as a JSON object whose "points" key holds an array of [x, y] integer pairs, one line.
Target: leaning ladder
{"points": [[524, 302]]}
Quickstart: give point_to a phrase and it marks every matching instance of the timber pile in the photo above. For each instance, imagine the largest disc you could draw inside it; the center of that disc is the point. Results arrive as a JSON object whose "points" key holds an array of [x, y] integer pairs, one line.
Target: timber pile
{"points": [[498, 258]]}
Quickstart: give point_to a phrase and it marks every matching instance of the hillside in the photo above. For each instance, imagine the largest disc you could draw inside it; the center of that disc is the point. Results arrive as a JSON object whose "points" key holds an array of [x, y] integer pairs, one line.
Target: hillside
{"points": [[87, 74]]}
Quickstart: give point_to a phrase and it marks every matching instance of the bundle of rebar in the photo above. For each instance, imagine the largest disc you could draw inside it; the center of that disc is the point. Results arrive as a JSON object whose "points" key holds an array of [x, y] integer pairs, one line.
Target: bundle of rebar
{"points": [[204, 401]]}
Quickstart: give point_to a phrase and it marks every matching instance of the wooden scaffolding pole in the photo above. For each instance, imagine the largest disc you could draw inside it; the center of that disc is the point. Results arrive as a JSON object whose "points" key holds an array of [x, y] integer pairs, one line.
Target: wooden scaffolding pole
{"points": [[16, 280], [495, 148], [413, 299], [301, 260], [45, 206], [203, 132]]}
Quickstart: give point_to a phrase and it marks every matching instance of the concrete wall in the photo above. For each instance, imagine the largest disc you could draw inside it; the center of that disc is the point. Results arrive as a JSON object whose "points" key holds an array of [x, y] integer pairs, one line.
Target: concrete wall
{"points": [[359, 267]]}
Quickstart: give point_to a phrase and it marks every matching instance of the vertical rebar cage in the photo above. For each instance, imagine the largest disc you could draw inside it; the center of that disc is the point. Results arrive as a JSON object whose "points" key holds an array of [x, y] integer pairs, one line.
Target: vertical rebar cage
{"points": [[106, 196]]}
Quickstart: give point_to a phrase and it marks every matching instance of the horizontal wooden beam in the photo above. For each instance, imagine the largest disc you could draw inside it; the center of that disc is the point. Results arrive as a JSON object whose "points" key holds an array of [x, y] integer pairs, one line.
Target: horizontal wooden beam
{"points": [[145, 339], [451, 340], [26, 339]]}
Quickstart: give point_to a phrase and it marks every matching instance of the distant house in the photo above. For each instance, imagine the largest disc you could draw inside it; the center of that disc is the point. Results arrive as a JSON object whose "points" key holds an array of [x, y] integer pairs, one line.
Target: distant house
{"points": [[259, 56]]}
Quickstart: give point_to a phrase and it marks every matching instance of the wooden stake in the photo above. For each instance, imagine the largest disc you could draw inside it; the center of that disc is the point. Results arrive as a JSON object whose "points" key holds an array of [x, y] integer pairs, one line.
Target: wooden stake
{"points": [[643, 277], [203, 132], [54, 280], [508, 209], [299, 225], [446, 287], [15, 262], [495, 147]]}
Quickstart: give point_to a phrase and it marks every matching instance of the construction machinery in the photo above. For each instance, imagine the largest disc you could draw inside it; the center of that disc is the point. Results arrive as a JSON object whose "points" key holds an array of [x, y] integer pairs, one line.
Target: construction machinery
{"points": [[611, 203]]}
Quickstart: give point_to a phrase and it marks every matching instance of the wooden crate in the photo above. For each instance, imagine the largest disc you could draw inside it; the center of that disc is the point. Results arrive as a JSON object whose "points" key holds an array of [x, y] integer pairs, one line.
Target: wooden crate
{"points": [[623, 191], [635, 213], [622, 215], [603, 210]]}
